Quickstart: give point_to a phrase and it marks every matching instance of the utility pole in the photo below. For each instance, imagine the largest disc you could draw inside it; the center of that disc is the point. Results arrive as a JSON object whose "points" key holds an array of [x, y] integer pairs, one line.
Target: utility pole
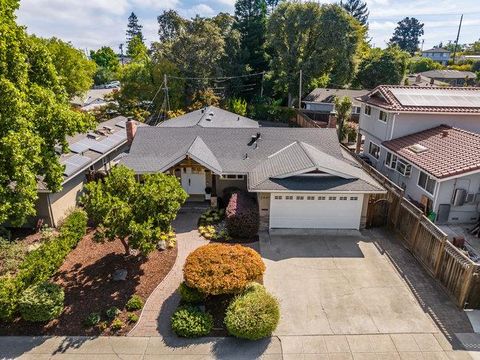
{"points": [[261, 89], [300, 91], [166, 93], [423, 42], [121, 52], [456, 41]]}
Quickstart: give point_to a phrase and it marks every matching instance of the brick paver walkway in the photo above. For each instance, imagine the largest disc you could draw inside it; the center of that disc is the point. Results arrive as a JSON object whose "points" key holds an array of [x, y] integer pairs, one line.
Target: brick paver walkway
{"points": [[156, 314]]}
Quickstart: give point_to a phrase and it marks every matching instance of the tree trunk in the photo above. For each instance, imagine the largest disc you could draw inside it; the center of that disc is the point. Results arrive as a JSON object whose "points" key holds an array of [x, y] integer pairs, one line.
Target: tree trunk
{"points": [[126, 246]]}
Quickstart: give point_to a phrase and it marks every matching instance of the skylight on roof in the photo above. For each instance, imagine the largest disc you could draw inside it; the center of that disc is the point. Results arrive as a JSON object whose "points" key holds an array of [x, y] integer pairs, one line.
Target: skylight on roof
{"points": [[417, 148]]}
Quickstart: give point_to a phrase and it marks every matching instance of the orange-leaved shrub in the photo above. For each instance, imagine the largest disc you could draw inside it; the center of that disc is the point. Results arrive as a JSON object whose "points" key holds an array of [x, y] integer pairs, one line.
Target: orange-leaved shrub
{"points": [[216, 269]]}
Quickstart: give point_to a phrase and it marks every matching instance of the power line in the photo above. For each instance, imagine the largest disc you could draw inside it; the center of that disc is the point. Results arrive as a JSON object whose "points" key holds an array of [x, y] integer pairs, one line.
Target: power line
{"points": [[220, 78]]}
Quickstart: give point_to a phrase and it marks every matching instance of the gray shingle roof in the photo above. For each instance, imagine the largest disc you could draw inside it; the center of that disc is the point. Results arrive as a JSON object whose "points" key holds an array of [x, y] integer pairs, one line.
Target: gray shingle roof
{"points": [[448, 74], [323, 95], [280, 151], [211, 117]]}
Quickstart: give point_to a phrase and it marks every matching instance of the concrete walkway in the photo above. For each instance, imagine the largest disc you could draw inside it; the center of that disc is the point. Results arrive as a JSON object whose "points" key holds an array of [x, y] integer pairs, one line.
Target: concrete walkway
{"points": [[159, 307], [329, 347]]}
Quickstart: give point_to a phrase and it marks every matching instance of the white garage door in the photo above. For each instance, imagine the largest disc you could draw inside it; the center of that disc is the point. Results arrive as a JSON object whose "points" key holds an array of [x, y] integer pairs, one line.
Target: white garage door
{"points": [[313, 211]]}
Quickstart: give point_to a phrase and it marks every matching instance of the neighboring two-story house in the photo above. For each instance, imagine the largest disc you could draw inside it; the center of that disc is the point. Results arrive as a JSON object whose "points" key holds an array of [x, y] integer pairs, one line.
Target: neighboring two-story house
{"points": [[437, 54], [427, 141]]}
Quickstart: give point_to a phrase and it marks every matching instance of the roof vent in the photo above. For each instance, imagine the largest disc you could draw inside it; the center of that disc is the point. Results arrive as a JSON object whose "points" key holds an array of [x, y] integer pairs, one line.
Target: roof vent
{"points": [[238, 118], [92, 135], [245, 157], [208, 119], [444, 133], [418, 149], [211, 113], [259, 136]]}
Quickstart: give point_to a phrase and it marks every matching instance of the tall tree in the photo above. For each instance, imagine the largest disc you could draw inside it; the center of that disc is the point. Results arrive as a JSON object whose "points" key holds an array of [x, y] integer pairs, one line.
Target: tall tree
{"points": [[251, 20], [357, 8], [108, 64], [407, 34], [35, 117], [134, 29], [382, 67], [343, 109], [320, 40], [170, 25], [75, 70]]}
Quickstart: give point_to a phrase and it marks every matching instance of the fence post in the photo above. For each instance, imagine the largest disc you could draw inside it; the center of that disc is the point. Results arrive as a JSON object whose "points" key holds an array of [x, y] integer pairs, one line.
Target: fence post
{"points": [[439, 259], [414, 233], [466, 286]]}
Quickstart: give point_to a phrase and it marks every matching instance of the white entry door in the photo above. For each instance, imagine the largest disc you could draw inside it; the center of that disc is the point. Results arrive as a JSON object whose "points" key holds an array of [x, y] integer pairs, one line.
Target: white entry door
{"points": [[193, 181]]}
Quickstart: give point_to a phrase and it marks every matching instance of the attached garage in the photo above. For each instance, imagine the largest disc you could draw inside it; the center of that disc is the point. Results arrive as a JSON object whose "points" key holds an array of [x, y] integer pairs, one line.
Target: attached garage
{"points": [[316, 211]]}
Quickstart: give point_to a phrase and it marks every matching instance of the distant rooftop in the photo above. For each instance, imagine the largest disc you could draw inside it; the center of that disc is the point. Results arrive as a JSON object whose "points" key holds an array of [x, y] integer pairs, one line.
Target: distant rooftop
{"points": [[436, 50], [211, 117], [449, 74], [323, 95], [442, 151], [425, 99]]}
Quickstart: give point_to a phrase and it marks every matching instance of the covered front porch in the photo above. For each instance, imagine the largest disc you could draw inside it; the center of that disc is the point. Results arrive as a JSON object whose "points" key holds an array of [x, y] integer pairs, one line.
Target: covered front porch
{"points": [[203, 183]]}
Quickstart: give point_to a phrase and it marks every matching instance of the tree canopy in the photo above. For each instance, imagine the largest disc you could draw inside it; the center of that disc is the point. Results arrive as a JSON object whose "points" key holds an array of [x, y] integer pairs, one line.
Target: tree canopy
{"points": [[108, 64], [358, 9], [320, 40], [407, 34], [382, 67], [75, 71], [136, 213], [134, 29], [34, 110], [423, 64]]}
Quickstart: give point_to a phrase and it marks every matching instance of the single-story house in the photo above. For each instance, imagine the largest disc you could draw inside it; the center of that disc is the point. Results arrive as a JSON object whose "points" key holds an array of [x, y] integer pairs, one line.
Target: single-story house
{"points": [[438, 168], [93, 99], [323, 100], [452, 77], [301, 178], [423, 81], [90, 154]]}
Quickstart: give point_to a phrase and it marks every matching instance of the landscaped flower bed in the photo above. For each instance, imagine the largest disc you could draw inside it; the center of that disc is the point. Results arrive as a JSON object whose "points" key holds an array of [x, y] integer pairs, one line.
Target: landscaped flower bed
{"points": [[222, 295]]}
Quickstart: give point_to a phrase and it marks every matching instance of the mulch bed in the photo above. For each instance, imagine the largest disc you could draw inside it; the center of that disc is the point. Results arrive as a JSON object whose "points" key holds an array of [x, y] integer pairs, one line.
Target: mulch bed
{"points": [[217, 307], [86, 278]]}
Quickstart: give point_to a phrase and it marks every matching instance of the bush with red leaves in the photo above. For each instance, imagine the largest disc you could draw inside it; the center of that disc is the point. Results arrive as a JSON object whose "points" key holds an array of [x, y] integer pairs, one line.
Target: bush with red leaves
{"points": [[242, 217]]}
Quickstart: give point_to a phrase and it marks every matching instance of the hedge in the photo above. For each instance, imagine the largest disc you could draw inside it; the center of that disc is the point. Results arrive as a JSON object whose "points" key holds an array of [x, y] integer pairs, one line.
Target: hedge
{"points": [[242, 216], [188, 321], [253, 315], [216, 269], [41, 264], [41, 302]]}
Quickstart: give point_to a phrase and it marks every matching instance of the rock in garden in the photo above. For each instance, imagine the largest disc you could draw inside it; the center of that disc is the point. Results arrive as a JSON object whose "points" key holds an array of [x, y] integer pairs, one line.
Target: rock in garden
{"points": [[161, 245], [120, 275]]}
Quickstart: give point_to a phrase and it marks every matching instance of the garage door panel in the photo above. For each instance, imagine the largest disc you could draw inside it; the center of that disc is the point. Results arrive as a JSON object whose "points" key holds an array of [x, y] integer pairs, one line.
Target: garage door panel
{"points": [[316, 214]]}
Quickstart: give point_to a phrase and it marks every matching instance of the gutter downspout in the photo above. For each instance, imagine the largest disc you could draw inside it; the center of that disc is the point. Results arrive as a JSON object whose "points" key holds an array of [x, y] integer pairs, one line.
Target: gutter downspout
{"points": [[50, 211]]}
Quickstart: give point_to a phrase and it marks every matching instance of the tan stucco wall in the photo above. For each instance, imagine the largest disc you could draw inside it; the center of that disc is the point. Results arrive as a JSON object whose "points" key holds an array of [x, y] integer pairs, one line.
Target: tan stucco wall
{"points": [[66, 200]]}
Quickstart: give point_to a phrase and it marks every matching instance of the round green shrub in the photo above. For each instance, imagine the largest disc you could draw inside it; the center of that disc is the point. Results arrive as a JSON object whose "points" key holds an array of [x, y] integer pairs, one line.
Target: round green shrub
{"points": [[134, 303], [41, 302], [253, 315], [190, 295], [112, 312], [132, 318], [92, 319], [117, 324], [189, 321]]}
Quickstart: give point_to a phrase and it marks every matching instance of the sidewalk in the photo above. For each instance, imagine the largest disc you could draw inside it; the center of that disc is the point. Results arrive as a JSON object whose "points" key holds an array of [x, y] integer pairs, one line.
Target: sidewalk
{"points": [[329, 347]]}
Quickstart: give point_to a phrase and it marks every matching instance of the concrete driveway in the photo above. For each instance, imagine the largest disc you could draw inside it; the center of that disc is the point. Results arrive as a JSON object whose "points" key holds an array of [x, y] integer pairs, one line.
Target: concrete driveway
{"points": [[335, 282]]}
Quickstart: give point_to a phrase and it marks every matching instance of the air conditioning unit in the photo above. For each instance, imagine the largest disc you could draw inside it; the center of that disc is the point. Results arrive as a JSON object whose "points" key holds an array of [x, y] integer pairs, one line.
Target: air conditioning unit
{"points": [[469, 199], [459, 196]]}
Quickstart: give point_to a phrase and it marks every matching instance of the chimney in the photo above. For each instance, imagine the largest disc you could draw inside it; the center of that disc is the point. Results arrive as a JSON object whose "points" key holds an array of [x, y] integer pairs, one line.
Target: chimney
{"points": [[418, 78], [131, 127], [444, 133], [332, 120], [432, 80]]}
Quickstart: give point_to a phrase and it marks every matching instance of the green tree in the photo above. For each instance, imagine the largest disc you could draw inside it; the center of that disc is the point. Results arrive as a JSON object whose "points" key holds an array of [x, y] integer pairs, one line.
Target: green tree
{"points": [[134, 29], [382, 67], [203, 98], [75, 71], [358, 9], [321, 40], [423, 64], [35, 117], [137, 214], [108, 65], [251, 20], [136, 49], [407, 34], [343, 110], [170, 25]]}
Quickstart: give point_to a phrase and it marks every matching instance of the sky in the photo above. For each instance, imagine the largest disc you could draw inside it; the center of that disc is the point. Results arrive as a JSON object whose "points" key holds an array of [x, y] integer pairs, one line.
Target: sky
{"points": [[90, 24]]}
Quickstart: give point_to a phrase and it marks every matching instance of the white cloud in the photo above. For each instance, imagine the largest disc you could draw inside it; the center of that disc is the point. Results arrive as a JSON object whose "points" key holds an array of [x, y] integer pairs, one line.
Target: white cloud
{"points": [[200, 9], [155, 4]]}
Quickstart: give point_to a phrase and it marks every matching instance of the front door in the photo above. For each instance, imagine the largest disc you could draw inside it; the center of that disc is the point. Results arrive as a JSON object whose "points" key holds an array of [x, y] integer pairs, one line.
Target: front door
{"points": [[193, 181]]}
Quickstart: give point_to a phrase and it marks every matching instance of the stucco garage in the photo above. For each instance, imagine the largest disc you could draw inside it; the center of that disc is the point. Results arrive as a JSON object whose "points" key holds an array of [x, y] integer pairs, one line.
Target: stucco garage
{"points": [[316, 211]]}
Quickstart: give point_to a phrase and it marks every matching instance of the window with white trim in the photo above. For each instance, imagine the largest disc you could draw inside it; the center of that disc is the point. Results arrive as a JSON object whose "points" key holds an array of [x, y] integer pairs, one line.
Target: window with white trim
{"points": [[382, 116], [343, 198], [332, 198], [391, 160], [278, 197], [299, 197], [426, 182], [367, 110], [321, 198], [354, 198], [310, 197], [356, 109], [231, 177], [403, 168], [288, 197], [374, 150]]}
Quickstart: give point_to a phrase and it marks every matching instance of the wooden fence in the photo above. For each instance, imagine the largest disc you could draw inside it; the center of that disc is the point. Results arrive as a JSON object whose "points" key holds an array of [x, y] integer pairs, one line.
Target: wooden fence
{"points": [[455, 271], [303, 119]]}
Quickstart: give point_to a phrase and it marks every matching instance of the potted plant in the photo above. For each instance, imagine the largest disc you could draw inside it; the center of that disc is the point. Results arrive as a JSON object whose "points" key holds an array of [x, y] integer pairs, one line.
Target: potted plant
{"points": [[208, 193]]}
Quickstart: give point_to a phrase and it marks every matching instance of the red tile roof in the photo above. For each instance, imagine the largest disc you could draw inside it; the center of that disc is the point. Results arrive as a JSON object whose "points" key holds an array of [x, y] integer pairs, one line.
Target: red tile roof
{"points": [[384, 96], [449, 151]]}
